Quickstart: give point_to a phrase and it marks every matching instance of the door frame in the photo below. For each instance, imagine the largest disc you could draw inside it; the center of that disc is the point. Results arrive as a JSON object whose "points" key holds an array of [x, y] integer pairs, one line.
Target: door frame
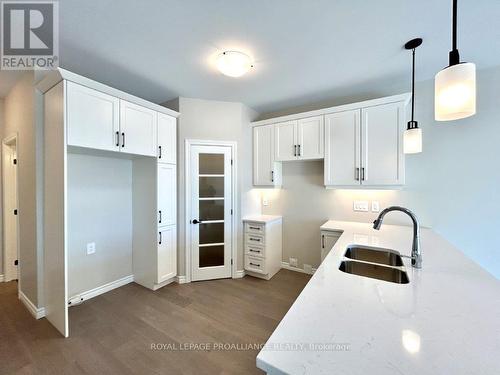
{"points": [[189, 143], [12, 139]]}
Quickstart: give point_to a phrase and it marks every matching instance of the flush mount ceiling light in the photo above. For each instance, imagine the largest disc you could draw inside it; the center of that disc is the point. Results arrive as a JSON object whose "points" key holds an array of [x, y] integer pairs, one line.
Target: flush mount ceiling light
{"points": [[412, 139], [234, 63], [455, 86]]}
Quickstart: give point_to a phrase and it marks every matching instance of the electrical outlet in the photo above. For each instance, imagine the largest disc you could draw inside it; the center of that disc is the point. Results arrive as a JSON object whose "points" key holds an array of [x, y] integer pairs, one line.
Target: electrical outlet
{"points": [[265, 202], [90, 248], [294, 262], [375, 206], [361, 206]]}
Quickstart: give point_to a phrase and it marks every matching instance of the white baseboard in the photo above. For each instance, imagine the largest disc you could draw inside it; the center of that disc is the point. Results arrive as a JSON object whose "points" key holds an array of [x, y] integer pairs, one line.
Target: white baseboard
{"points": [[37, 312], [1, 278], [287, 266], [239, 274], [102, 289], [181, 279]]}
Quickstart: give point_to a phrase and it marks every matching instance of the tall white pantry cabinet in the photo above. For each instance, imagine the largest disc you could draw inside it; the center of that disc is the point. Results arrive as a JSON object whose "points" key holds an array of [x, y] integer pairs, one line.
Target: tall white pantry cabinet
{"points": [[87, 118]]}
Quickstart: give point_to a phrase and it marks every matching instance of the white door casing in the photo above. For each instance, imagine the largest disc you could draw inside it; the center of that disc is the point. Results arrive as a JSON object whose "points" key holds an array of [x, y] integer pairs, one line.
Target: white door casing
{"points": [[211, 227]]}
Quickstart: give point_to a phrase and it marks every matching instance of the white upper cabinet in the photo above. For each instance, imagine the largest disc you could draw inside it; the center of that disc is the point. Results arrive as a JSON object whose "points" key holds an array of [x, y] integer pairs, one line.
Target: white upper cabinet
{"points": [[265, 171], [382, 158], [342, 148], [138, 129], [285, 145], [310, 138], [167, 253], [93, 118], [167, 138], [167, 202], [299, 140]]}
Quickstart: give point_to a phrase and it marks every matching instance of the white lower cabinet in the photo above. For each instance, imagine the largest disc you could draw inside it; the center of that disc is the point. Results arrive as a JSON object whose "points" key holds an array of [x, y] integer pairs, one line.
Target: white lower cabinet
{"points": [[263, 245], [328, 240], [167, 253]]}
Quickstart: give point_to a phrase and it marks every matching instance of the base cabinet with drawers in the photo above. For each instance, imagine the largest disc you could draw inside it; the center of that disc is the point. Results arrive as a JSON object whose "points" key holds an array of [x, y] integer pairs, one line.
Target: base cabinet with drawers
{"points": [[263, 239]]}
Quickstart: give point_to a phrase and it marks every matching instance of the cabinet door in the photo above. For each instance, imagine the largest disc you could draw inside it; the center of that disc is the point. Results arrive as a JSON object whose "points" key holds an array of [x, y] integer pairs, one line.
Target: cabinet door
{"points": [[342, 148], [310, 138], [138, 129], [167, 202], [328, 240], [382, 145], [93, 118], [285, 141], [263, 157], [167, 139], [167, 253]]}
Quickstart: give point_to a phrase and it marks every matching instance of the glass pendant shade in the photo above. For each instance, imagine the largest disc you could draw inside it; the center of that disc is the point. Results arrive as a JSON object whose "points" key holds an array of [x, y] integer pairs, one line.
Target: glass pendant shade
{"points": [[412, 141], [455, 92]]}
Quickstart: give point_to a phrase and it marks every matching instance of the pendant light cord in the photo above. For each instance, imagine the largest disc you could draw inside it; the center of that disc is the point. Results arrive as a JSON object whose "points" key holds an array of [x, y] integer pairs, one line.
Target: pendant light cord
{"points": [[454, 56], [413, 87]]}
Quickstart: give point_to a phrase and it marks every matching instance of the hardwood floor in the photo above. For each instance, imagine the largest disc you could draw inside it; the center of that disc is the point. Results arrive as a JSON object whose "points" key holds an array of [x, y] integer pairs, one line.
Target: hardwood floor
{"points": [[114, 333]]}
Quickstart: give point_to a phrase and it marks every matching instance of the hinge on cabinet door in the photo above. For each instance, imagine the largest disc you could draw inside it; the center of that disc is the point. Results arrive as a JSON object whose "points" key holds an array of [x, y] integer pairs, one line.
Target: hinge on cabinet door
{"points": [[15, 211], [14, 161]]}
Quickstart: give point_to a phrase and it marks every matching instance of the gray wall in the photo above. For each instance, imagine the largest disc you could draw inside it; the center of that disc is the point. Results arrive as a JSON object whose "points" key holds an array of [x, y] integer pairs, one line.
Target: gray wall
{"points": [[19, 117], [100, 211], [220, 121], [452, 186]]}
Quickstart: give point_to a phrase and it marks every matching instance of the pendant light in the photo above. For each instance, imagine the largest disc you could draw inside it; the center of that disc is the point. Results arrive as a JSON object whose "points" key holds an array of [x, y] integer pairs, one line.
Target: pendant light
{"points": [[412, 138], [455, 86]]}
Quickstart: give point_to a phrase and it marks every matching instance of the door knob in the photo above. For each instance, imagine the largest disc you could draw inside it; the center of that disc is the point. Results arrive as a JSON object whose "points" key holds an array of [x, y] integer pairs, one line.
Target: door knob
{"points": [[195, 221]]}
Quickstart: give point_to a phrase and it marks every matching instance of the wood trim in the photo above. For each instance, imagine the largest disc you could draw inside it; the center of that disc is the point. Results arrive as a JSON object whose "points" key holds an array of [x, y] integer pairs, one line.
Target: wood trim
{"points": [[56, 76], [102, 289], [37, 312], [346, 107], [287, 266]]}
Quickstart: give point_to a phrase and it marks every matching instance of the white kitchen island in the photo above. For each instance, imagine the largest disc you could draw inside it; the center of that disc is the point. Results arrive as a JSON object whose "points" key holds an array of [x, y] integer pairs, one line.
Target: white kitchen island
{"points": [[446, 320]]}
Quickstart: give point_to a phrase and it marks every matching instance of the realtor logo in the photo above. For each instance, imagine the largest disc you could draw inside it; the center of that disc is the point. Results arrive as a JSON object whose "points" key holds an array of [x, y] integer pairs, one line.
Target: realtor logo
{"points": [[30, 35]]}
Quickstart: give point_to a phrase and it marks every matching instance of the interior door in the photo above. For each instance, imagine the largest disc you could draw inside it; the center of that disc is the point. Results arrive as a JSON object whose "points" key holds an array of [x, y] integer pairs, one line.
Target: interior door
{"points": [[342, 153], [310, 138], [138, 129], [211, 206], [167, 139], [93, 118], [382, 160], [263, 156], [285, 144]]}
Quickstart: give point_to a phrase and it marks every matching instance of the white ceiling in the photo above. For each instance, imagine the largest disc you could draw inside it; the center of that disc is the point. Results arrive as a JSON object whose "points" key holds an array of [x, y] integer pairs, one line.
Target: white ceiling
{"points": [[305, 51]]}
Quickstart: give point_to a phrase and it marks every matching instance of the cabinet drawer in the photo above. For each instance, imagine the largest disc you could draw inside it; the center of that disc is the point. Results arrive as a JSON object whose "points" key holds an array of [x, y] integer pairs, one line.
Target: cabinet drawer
{"points": [[255, 264], [254, 228], [254, 250], [254, 239]]}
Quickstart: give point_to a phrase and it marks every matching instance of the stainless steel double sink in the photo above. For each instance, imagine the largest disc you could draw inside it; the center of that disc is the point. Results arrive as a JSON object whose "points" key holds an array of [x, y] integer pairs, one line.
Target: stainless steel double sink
{"points": [[381, 264]]}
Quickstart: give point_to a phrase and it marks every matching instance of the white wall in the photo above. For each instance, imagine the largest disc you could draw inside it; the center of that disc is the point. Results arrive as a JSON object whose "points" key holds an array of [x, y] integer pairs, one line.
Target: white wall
{"points": [[452, 186], [222, 121], [19, 107], [100, 211]]}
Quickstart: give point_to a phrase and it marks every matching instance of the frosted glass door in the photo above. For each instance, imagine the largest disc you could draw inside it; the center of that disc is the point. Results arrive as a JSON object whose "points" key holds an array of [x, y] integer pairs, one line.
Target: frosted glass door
{"points": [[211, 212]]}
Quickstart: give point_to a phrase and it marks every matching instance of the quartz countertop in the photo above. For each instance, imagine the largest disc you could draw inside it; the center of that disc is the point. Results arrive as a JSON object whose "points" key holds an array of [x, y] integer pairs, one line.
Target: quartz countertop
{"points": [[445, 321], [262, 218]]}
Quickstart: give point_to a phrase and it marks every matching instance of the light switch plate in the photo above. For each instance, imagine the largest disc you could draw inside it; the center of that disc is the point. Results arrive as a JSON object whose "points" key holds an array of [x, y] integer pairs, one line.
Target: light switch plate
{"points": [[90, 248], [375, 206], [361, 206], [265, 202]]}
